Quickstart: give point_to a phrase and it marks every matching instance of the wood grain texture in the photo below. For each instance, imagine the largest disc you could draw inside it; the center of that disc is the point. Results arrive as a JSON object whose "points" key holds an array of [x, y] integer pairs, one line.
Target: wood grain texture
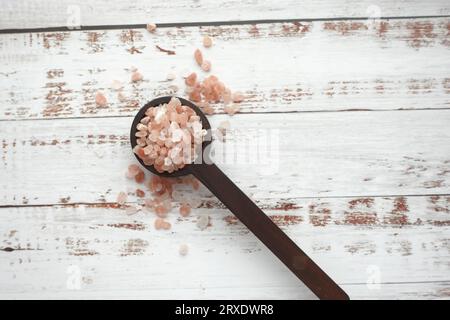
{"points": [[319, 66], [116, 255], [365, 192], [317, 154], [25, 14]]}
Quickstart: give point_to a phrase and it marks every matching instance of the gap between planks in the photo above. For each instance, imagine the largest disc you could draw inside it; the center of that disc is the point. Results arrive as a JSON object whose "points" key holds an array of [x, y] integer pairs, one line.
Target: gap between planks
{"points": [[208, 24]]}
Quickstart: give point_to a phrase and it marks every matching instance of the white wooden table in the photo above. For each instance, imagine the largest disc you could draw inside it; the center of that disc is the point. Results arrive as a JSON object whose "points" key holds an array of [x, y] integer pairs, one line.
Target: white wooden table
{"points": [[362, 106]]}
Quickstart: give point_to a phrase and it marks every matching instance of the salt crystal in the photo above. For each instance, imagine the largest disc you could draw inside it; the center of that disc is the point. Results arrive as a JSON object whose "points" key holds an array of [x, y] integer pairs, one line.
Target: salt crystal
{"points": [[183, 250], [140, 177], [161, 211], [133, 170], [141, 126], [203, 222], [151, 27], [207, 42], [100, 99], [136, 77], [140, 193], [121, 198], [185, 209], [206, 66], [198, 57], [191, 79], [162, 224]]}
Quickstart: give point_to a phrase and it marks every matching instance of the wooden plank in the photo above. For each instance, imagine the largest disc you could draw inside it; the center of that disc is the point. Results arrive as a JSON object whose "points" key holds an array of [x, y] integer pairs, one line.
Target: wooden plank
{"points": [[23, 14], [116, 255], [319, 66], [372, 153]]}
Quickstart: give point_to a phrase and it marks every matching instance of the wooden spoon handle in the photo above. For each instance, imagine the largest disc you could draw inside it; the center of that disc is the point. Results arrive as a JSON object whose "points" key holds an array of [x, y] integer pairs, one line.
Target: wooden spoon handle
{"points": [[268, 232]]}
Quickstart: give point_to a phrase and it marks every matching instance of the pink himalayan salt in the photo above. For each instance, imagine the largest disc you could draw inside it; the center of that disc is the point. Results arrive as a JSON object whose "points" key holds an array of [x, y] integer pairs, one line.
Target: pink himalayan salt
{"points": [[100, 99], [207, 42], [162, 206], [183, 250], [185, 209], [198, 56], [121, 198], [206, 66], [191, 79], [206, 107], [231, 109], [140, 193], [168, 153], [151, 27], [133, 170], [140, 177], [162, 224], [203, 222], [136, 76]]}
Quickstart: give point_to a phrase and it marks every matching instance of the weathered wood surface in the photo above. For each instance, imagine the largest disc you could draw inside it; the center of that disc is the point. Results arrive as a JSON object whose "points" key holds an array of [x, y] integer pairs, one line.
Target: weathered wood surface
{"points": [[319, 66], [318, 154], [55, 13], [391, 240], [365, 193]]}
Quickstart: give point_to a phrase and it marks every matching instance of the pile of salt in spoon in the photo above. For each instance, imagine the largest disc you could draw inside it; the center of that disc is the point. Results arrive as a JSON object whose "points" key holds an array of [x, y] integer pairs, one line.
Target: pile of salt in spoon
{"points": [[169, 136], [163, 140]]}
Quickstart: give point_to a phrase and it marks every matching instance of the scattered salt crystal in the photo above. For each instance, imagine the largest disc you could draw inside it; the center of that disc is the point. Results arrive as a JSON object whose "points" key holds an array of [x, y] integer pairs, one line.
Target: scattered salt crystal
{"points": [[206, 66], [100, 99], [207, 41], [198, 56], [121, 198], [203, 222], [162, 224], [183, 250], [191, 79], [136, 76], [161, 211], [133, 170], [140, 193], [151, 27], [185, 209], [116, 85], [140, 177]]}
